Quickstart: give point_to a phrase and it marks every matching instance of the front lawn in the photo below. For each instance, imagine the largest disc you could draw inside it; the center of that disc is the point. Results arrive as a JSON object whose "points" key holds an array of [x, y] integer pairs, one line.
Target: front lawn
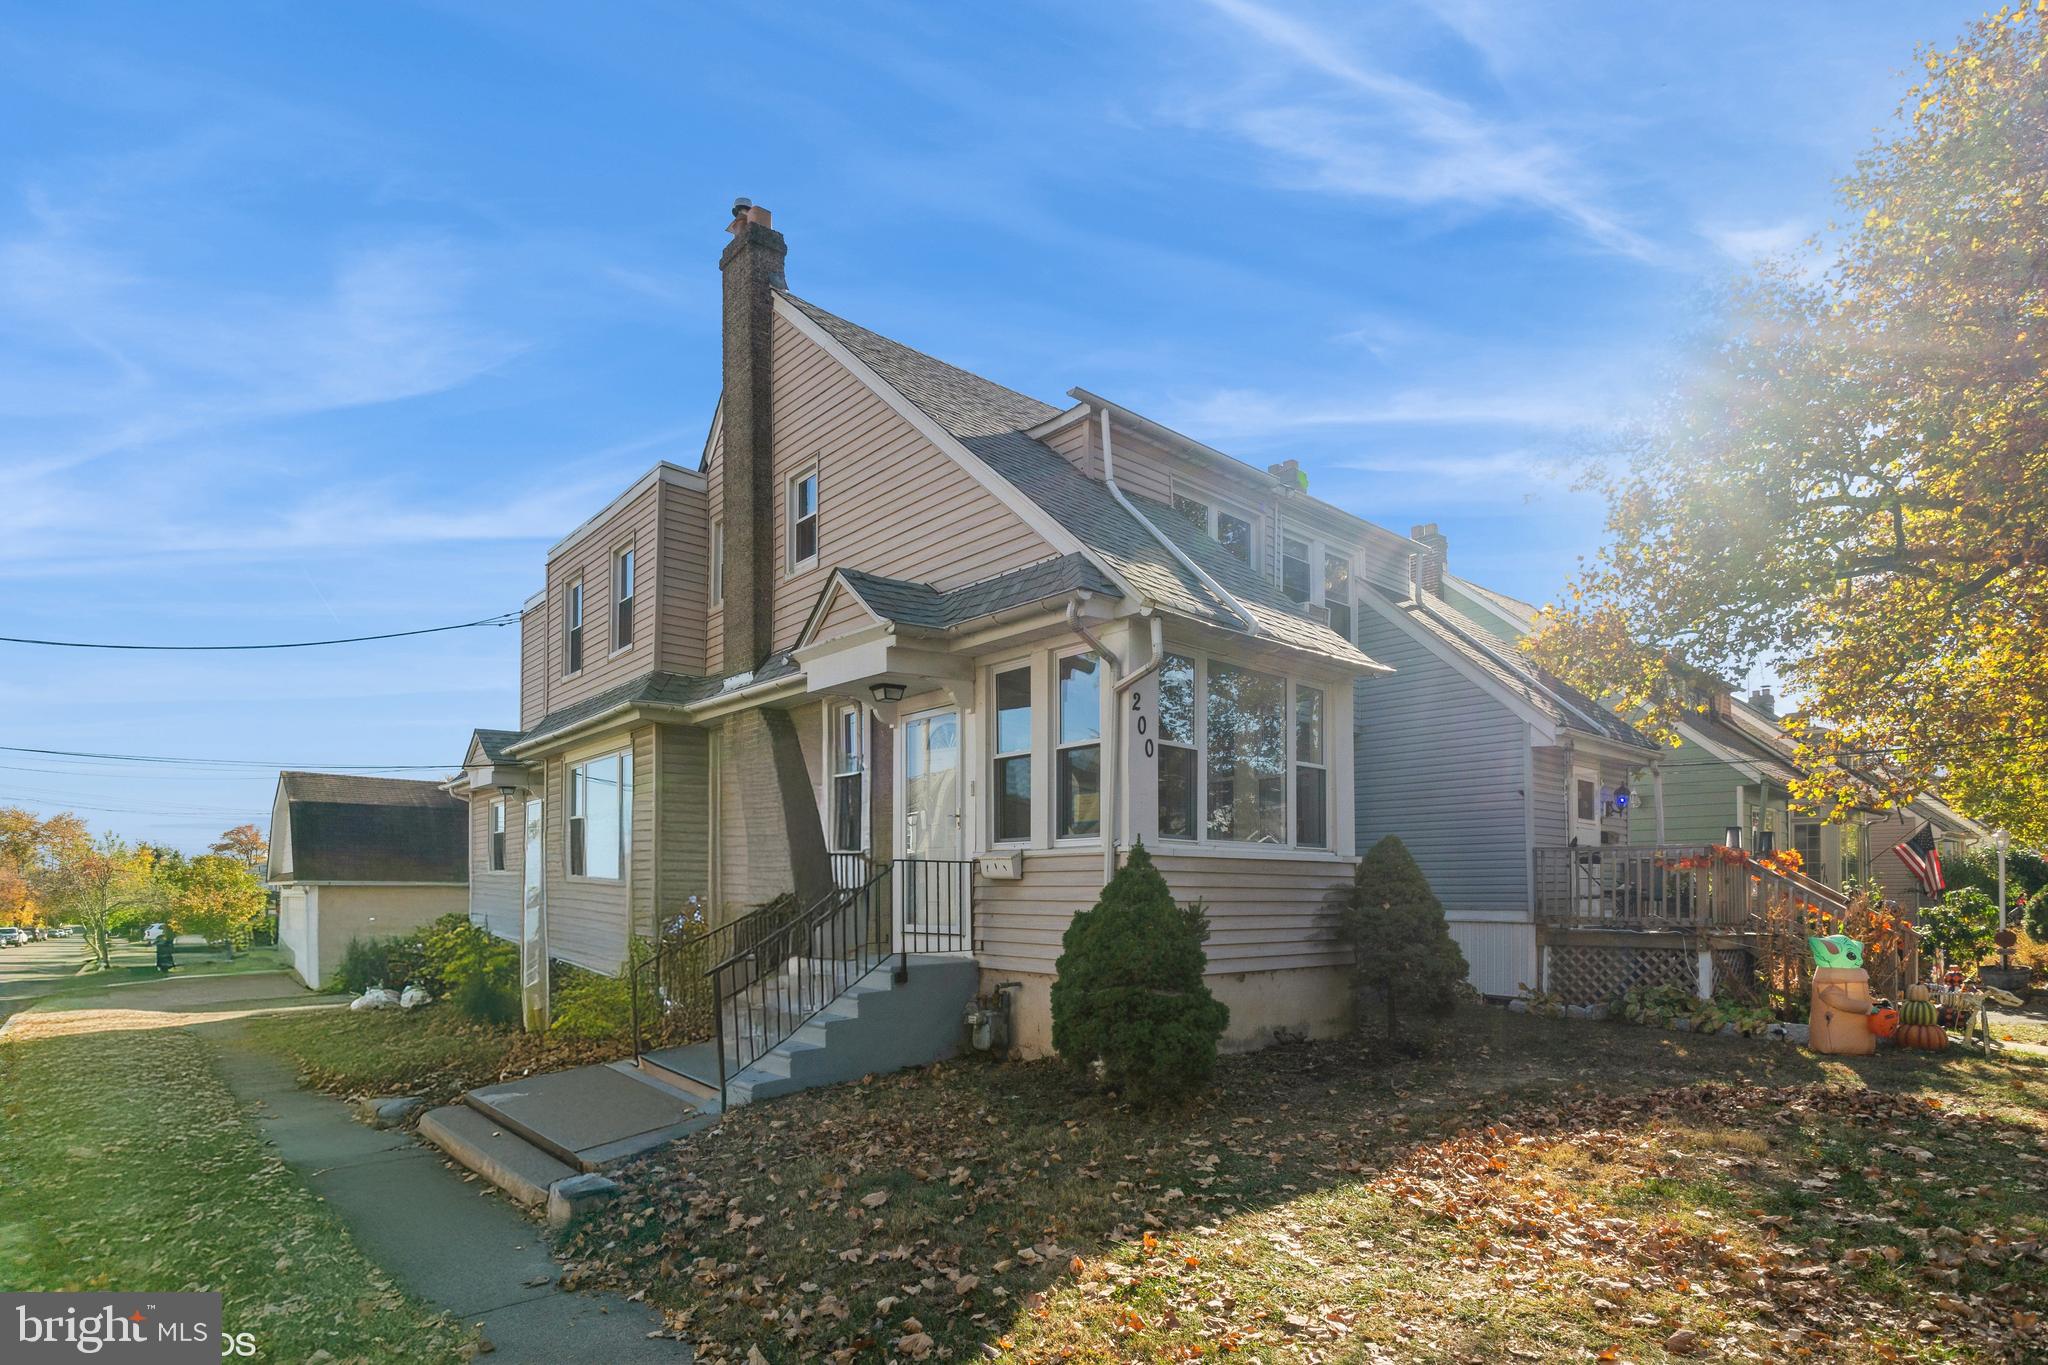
{"points": [[129, 1167], [1526, 1189], [432, 1051]]}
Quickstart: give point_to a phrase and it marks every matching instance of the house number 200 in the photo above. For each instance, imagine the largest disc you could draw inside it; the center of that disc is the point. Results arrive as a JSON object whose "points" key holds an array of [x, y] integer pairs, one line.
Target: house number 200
{"points": [[1138, 706]]}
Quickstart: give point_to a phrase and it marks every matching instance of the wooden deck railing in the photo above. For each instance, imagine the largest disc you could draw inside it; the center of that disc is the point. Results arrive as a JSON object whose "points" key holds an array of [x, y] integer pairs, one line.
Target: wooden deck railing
{"points": [[1665, 887]]}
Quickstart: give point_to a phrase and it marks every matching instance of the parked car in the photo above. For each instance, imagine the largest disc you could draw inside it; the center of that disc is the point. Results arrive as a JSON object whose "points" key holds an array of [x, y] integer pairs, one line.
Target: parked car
{"points": [[11, 937]]}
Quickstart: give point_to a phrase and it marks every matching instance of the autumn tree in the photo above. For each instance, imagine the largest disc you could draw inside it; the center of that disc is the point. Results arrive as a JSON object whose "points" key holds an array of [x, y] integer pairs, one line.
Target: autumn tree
{"points": [[246, 845], [216, 897], [1851, 484], [94, 885], [30, 848]]}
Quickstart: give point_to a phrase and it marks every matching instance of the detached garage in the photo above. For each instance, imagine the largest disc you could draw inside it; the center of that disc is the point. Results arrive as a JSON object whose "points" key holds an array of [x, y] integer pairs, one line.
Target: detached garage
{"points": [[362, 857]]}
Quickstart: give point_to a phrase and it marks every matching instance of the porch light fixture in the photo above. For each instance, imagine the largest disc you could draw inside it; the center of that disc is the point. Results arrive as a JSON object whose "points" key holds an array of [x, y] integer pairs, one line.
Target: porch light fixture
{"points": [[1619, 802], [886, 691]]}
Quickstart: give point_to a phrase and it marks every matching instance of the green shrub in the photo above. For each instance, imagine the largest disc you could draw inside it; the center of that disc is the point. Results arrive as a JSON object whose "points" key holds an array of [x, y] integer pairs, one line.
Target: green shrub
{"points": [[451, 959], [488, 998], [596, 1007], [1960, 925], [1402, 949], [1130, 996]]}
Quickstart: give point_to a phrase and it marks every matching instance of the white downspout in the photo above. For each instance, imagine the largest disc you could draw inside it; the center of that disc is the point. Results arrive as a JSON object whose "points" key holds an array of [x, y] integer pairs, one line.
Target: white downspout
{"points": [[1221, 593]]}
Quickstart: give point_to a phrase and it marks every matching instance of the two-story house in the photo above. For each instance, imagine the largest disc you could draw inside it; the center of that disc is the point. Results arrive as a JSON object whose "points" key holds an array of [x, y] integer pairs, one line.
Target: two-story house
{"points": [[909, 641]]}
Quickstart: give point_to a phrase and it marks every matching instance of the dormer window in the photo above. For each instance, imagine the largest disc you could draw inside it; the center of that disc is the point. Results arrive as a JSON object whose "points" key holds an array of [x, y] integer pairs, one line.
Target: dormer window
{"points": [[1294, 568], [803, 521], [1235, 532]]}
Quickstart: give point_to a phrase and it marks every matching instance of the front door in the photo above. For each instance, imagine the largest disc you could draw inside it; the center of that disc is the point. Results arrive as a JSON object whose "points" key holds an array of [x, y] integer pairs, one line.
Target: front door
{"points": [[1588, 883], [931, 891], [533, 947]]}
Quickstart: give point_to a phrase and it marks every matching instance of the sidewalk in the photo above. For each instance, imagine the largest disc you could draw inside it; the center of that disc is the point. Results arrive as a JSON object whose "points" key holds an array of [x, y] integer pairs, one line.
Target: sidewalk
{"points": [[451, 1241]]}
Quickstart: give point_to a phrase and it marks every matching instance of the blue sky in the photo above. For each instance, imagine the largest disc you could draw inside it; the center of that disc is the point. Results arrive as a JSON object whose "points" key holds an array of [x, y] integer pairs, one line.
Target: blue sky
{"points": [[322, 320]]}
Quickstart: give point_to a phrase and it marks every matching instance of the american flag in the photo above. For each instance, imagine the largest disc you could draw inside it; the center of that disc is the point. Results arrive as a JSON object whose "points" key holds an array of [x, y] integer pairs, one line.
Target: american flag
{"points": [[1923, 859]]}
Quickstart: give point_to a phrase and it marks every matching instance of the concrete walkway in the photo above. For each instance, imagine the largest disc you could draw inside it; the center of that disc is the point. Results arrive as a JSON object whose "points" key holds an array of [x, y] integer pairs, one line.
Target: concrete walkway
{"points": [[450, 1241]]}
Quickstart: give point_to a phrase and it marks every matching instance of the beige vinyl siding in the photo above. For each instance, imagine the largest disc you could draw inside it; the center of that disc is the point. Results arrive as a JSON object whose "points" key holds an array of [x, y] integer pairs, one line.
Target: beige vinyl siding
{"points": [[373, 912], [1265, 914], [589, 921], [682, 798], [890, 501], [591, 559], [846, 613], [714, 511], [533, 665], [681, 579], [1075, 443], [495, 898]]}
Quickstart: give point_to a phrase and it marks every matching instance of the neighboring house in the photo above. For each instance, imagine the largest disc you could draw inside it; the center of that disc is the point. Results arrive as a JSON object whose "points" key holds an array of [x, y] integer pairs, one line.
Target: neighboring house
{"points": [[1732, 772], [355, 857]]}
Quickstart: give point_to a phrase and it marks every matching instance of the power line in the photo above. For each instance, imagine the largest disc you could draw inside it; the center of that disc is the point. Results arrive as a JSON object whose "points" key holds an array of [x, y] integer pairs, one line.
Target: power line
{"points": [[502, 619], [235, 762]]}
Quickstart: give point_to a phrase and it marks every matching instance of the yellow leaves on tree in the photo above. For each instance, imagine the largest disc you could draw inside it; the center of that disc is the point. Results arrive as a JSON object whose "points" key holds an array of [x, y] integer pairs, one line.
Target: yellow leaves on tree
{"points": [[1852, 485]]}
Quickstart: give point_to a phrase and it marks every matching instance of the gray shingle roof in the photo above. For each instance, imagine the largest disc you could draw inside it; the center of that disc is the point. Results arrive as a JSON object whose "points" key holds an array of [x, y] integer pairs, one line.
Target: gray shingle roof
{"points": [[649, 689], [1751, 748], [494, 743], [343, 827], [990, 421], [1564, 704], [921, 604]]}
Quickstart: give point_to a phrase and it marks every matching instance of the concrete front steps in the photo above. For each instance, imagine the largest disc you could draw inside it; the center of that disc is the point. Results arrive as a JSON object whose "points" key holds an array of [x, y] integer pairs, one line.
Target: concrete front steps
{"points": [[529, 1135], [876, 1024]]}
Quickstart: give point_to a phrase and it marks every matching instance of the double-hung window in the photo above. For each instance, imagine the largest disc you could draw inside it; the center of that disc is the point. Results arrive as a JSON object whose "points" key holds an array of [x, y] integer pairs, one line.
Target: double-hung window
{"points": [[622, 598], [1247, 733], [1337, 591], [1235, 533], [1012, 776], [1180, 776], [497, 829], [849, 767], [1806, 842], [1078, 763], [1294, 568], [1311, 771], [1194, 509], [717, 563], [601, 816], [572, 630], [803, 521]]}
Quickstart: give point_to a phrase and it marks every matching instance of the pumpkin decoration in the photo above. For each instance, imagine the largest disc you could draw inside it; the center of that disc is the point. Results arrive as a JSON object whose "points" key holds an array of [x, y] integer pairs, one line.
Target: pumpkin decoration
{"points": [[1917, 1012], [1918, 991], [1884, 1022], [1923, 1037]]}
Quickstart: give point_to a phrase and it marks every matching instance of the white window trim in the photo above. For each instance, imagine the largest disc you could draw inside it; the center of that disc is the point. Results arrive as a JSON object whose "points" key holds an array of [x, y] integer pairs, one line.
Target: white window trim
{"points": [[624, 752], [1334, 811], [718, 563], [1320, 552], [830, 805], [1217, 505], [1054, 748], [792, 564], [1295, 763], [1028, 665], [575, 618], [494, 826], [619, 553]]}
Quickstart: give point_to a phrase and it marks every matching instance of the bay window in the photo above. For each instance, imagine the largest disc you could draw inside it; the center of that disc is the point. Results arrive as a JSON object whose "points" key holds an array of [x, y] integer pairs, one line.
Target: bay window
{"points": [[1012, 785], [1180, 777], [600, 832], [1311, 771], [1078, 763], [849, 777], [1247, 734]]}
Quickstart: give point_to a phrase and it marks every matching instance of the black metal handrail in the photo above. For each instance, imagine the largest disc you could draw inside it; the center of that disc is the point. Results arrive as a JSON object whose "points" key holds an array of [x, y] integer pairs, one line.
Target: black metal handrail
{"points": [[768, 989], [672, 983], [935, 904]]}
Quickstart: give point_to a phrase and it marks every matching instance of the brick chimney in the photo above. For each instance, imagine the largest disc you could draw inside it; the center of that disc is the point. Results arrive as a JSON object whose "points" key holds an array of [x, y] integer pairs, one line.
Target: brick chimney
{"points": [[1762, 700], [752, 266], [1436, 548], [1289, 473]]}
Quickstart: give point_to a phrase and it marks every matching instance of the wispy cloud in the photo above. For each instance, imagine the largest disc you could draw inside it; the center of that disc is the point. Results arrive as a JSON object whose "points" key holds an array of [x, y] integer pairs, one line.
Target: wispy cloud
{"points": [[1750, 243], [1232, 413], [1372, 134]]}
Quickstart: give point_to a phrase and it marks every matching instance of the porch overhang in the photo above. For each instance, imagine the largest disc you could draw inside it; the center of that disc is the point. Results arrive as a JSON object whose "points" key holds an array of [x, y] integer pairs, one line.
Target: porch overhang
{"points": [[856, 663], [501, 776]]}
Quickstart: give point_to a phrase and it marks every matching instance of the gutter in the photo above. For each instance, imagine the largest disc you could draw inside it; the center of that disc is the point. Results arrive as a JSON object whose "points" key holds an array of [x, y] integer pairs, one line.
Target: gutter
{"points": [[1217, 590]]}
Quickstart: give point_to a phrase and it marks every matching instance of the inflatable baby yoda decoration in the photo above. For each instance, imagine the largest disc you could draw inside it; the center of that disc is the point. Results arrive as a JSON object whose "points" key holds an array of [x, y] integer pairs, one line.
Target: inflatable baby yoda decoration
{"points": [[1839, 1022]]}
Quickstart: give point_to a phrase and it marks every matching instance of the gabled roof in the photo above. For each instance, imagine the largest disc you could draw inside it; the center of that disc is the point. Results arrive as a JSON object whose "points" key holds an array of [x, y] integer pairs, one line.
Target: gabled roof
{"points": [[1504, 666], [926, 607], [344, 827], [494, 744], [990, 422]]}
